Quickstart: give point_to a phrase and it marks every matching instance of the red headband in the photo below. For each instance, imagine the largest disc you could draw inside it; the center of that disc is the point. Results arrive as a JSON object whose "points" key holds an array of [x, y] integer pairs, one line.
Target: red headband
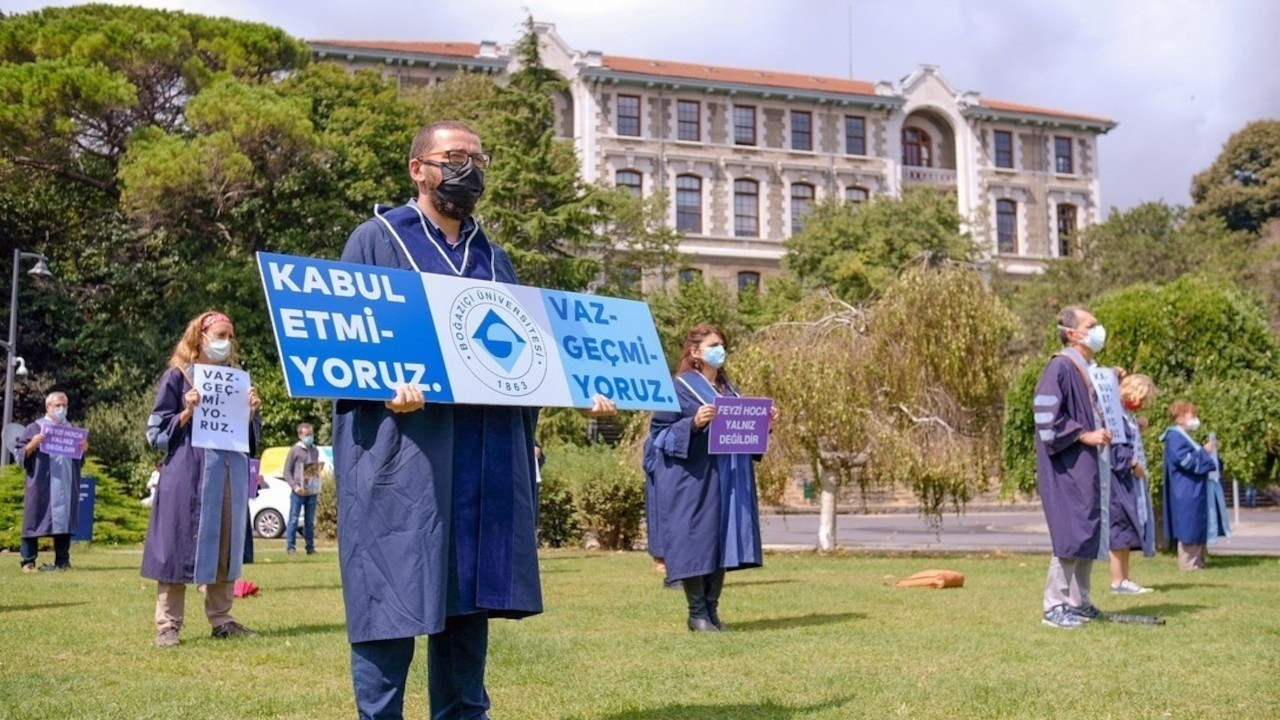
{"points": [[212, 319]]}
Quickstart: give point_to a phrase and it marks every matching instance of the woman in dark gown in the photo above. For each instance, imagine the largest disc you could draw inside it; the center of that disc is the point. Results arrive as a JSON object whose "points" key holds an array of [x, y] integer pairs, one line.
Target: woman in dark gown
{"points": [[201, 502]]}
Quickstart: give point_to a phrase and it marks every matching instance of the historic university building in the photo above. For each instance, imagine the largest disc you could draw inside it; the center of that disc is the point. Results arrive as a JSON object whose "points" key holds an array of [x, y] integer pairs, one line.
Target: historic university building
{"points": [[742, 154]]}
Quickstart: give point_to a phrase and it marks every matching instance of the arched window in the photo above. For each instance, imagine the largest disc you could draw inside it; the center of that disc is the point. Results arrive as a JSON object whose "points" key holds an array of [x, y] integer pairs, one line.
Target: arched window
{"points": [[1066, 229], [689, 203], [688, 275], [746, 208], [631, 180], [856, 195], [1007, 227], [801, 205], [916, 148]]}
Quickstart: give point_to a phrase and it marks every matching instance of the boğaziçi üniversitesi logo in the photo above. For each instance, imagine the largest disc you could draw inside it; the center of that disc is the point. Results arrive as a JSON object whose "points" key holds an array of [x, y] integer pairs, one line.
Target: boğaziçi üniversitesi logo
{"points": [[498, 341]]}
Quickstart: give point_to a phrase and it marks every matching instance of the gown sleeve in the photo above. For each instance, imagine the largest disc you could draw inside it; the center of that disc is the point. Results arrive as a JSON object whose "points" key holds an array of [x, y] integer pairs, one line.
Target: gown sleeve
{"points": [[1190, 459], [163, 426], [672, 432], [1054, 425]]}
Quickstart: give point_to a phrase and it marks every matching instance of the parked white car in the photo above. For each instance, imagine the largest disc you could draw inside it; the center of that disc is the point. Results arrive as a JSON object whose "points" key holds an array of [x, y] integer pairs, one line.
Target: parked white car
{"points": [[270, 509]]}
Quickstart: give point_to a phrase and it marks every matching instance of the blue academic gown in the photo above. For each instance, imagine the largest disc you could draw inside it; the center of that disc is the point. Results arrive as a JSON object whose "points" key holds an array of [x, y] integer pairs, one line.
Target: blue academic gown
{"points": [[1067, 471], [1126, 525], [51, 497], [1194, 507], [436, 508], [706, 505]]}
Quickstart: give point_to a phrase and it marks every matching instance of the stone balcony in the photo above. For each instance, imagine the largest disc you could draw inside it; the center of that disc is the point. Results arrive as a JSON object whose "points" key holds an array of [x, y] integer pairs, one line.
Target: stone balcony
{"points": [[937, 177]]}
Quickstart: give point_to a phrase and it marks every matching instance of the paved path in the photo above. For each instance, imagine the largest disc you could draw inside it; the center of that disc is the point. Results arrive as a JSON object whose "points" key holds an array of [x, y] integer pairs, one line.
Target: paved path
{"points": [[1011, 531]]}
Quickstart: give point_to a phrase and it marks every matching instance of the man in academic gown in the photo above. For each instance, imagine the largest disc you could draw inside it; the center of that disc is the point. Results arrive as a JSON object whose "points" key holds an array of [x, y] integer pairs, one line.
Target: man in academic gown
{"points": [[1072, 455], [436, 503], [51, 499]]}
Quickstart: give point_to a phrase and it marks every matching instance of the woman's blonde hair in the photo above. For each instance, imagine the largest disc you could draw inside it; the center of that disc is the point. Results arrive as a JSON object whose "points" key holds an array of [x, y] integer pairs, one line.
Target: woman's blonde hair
{"points": [[187, 351], [1137, 389]]}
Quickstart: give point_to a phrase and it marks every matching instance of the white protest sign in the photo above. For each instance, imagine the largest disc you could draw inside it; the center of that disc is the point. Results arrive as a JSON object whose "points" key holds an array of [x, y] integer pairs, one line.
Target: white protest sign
{"points": [[1107, 388], [221, 420]]}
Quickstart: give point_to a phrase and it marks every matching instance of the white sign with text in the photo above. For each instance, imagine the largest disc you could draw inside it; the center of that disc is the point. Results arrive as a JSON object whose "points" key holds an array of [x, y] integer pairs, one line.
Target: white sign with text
{"points": [[221, 419]]}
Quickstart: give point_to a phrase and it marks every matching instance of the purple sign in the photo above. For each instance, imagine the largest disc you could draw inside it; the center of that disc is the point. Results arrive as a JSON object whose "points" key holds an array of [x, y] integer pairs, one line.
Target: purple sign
{"points": [[741, 425], [255, 469], [62, 439]]}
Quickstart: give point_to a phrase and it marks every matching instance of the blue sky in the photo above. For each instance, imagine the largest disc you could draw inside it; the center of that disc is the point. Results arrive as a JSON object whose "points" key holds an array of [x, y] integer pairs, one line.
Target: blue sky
{"points": [[1178, 75]]}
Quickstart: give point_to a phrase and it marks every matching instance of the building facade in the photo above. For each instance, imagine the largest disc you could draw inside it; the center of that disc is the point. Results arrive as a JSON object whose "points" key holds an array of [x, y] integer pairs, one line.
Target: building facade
{"points": [[743, 154]]}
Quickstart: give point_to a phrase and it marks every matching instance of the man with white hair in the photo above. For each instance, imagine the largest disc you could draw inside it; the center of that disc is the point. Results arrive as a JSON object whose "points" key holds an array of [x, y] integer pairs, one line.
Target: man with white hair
{"points": [[52, 490]]}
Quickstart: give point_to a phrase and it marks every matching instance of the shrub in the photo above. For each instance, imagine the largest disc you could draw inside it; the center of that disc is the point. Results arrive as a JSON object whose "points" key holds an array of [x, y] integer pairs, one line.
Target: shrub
{"points": [[327, 508], [1200, 339], [605, 490], [119, 519], [557, 521]]}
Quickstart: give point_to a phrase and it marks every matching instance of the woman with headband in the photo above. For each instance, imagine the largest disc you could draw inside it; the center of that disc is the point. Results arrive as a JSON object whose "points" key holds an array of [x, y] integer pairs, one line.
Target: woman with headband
{"points": [[201, 502]]}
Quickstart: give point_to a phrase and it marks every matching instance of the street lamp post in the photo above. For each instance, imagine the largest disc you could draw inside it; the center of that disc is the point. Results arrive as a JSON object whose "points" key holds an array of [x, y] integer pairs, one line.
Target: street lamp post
{"points": [[41, 269]]}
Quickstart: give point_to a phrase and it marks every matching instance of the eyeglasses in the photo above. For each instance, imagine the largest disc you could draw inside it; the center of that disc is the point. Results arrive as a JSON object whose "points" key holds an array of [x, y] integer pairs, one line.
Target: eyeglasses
{"points": [[458, 158]]}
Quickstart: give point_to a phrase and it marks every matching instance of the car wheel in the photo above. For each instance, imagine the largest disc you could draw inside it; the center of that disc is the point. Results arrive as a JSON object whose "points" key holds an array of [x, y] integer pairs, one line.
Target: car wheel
{"points": [[269, 524]]}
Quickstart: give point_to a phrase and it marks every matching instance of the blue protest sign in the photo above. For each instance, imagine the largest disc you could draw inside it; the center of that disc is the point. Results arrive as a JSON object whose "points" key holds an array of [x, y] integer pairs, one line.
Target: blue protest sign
{"points": [[349, 331], [84, 511]]}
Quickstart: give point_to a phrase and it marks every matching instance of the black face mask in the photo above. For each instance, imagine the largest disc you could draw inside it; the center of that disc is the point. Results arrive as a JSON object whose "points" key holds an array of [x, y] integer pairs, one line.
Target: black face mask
{"points": [[459, 190]]}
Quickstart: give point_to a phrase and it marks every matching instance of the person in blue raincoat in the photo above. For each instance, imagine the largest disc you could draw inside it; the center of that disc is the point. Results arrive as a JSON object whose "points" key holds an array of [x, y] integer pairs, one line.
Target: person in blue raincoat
{"points": [[436, 503], [200, 506], [1132, 521], [707, 508], [1195, 510], [51, 494]]}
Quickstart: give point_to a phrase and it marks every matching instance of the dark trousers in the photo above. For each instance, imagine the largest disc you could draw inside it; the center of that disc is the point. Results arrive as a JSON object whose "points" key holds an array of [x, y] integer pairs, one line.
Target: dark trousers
{"points": [[30, 548], [455, 672], [703, 595], [299, 502]]}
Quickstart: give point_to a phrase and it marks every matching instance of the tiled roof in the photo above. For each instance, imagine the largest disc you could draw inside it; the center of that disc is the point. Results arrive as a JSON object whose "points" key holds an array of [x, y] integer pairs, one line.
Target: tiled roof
{"points": [[700, 72], [1032, 110], [738, 76], [453, 49]]}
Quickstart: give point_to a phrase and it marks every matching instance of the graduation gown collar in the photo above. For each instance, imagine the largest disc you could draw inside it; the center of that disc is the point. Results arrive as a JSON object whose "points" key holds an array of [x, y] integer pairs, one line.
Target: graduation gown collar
{"points": [[702, 388], [427, 251], [1181, 431]]}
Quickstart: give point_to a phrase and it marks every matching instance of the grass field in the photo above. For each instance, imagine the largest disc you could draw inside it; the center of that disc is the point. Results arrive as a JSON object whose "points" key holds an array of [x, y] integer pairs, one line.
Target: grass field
{"points": [[815, 637]]}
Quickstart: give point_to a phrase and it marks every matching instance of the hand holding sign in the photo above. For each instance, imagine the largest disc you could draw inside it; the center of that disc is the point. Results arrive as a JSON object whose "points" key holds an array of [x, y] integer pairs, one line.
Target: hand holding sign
{"points": [[407, 399], [601, 406]]}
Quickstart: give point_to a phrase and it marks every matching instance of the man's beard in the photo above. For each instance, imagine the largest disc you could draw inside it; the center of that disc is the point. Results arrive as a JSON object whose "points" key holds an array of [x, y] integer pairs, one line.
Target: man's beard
{"points": [[447, 207]]}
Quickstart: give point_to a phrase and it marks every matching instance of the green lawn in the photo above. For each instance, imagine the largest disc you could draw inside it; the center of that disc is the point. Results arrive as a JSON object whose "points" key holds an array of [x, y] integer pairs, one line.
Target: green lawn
{"points": [[815, 637]]}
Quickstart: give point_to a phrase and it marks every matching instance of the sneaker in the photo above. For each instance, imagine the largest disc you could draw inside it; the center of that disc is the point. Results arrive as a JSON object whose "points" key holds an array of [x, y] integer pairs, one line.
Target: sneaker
{"points": [[1087, 613], [167, 638], [1061, 617], [49, 567], [232, 629], [28, 567], [291, 551], [1129, 587]]}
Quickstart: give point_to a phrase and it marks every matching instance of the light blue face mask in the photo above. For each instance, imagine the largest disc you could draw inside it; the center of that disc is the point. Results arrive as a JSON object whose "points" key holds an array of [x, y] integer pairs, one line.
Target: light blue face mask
{"points": [[307, 440], [714, 356]]}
